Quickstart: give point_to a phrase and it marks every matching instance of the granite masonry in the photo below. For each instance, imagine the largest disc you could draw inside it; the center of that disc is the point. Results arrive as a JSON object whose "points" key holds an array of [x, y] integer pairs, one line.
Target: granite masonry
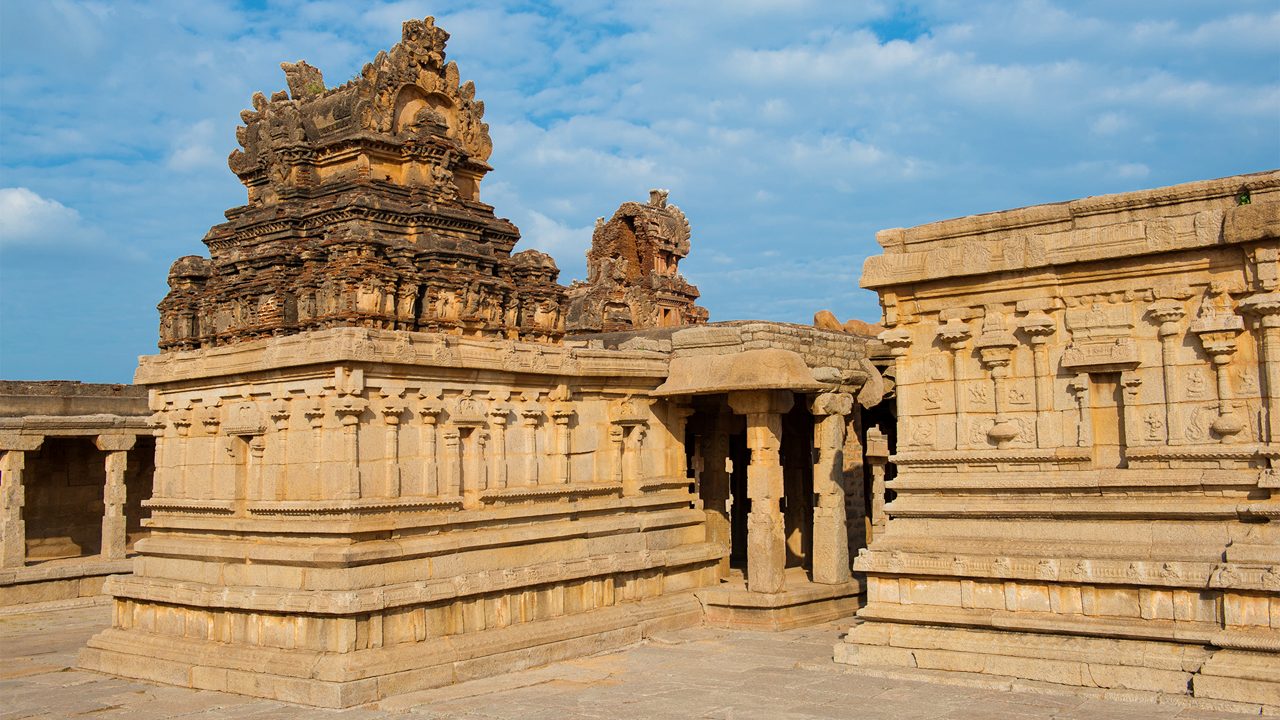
{"points": [[380, 465], [1086, 486], [392, 453]]}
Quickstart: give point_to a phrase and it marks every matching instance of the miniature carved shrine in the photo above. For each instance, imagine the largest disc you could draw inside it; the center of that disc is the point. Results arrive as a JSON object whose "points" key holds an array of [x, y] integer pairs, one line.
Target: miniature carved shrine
{"points": [[1089, 425], [381, 467]]}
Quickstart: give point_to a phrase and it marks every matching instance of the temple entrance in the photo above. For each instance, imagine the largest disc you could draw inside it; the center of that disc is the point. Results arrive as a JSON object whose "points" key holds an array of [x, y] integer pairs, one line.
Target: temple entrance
{"points": [[718, 439]]}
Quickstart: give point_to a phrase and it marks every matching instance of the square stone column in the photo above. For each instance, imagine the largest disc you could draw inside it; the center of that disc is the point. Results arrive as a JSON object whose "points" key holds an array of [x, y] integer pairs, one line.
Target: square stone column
{"points": [[830, 531], [714, 487], [13, 529], [114, 494], [766, 538]]}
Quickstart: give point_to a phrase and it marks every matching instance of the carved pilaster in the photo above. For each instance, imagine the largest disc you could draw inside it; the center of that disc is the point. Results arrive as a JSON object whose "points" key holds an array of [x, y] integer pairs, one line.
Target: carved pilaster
{"points": [[955, 334], [530, 416], [176, 486], [1266, 307], [561, 414], [1039, 327], [429, 411], [1079, 386], [392, 411], [1169, 313], [499, 414], [1217, 326], [452, 462], [995, 347], [314, 415], [349, 410]]}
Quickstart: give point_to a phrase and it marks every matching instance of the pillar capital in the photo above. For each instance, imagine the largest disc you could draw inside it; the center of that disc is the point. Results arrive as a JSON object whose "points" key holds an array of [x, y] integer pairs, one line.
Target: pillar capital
{"points": [[753, 402], [115, 442]]}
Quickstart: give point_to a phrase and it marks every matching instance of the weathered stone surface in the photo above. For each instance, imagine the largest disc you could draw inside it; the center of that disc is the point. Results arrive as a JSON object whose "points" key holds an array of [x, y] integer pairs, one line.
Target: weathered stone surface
{"points": [[633, 280], [369, 481], [364, 210], [1088, 428]]}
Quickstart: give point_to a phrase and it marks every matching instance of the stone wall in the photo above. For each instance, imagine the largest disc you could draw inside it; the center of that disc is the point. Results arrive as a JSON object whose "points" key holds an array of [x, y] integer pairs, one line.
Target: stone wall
{"points": [[343, 515], [1089, 404]]}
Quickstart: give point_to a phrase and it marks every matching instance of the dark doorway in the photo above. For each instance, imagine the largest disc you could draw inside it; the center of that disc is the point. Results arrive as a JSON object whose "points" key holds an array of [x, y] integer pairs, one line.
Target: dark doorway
{"points": [[739, 457]]}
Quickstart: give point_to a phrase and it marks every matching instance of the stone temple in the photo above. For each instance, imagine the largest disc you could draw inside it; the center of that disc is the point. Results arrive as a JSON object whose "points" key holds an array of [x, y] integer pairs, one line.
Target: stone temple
{"points": [[388, 452]]}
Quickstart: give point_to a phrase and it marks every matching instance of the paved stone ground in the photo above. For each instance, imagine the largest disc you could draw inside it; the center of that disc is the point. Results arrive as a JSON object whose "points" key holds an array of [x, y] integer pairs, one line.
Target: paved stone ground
{"points": [[696, 673]]}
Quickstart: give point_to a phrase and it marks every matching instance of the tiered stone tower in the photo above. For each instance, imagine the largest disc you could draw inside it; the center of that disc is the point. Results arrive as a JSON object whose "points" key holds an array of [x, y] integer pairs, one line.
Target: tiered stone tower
{"points": [[364, 211]]}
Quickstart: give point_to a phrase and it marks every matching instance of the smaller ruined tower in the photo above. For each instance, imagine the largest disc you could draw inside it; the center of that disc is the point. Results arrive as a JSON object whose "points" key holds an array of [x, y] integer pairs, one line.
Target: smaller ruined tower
{"points": [[633, 282]]}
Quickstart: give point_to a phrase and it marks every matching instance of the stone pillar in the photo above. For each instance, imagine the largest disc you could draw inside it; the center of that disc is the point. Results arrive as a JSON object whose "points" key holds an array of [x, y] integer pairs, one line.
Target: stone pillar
{"points": [[955, 333], [1130, 386], [878, 458], [1039, 327], [830, 531], [349, 412], [617, 436], [1079, 386], [391, 414], [766, 540], [529, 417], [1217, 326], [474, 472], [633, 461], [117, 448], [452, 463], [13, 529], [1266, 306], [715, 490], [855, 485], [275, 487], [561, 414], [995, 347], [430, 413], [498, 415], [315, 420], [1169, 314], [177, 485]]}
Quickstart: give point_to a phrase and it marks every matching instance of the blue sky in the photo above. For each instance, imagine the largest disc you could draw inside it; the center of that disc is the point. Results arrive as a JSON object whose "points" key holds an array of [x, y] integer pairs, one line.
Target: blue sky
{"points": [[788, 131]]}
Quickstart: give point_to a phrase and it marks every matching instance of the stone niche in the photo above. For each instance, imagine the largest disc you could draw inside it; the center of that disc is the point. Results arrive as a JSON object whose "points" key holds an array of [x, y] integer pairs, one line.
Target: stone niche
{"points": [[1089, 404]]}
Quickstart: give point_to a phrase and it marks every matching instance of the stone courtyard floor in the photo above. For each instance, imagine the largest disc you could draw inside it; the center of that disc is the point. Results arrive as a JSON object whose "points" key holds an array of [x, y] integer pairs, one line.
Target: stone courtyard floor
{"points": [[696, 673]]}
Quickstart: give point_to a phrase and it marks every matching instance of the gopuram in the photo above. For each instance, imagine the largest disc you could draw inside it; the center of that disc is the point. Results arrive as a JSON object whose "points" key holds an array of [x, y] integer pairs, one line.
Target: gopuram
{"points": [[382, 464], [1086, 486]]}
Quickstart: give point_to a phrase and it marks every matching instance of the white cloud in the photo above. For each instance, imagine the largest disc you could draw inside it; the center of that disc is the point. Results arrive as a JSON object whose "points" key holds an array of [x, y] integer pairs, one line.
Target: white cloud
{"points": [[26, 218], [193, 149], [777, 124]]}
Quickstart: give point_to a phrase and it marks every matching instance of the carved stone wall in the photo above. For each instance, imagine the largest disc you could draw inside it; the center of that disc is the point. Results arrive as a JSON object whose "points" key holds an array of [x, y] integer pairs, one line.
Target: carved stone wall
{"points": [[1089, 404], [347, 514]]}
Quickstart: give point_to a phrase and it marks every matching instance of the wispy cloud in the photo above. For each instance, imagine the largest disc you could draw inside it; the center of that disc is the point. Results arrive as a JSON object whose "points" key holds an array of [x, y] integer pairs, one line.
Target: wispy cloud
{"points": [[792, 127]]}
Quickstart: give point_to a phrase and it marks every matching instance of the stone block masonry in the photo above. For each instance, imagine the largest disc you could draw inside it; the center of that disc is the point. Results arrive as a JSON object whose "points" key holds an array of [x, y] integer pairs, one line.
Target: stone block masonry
{"points": [[1089, 418]]}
